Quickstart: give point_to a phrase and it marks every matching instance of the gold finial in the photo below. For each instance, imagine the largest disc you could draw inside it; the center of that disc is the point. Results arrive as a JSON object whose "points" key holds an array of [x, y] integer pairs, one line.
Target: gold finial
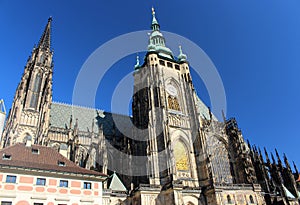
{"points": [[153, 11]]}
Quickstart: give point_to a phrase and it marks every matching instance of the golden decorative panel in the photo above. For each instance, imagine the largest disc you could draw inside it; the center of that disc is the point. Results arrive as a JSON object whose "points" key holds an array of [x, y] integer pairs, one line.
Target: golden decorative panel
{"points": [[181, 158], [173, 103]]}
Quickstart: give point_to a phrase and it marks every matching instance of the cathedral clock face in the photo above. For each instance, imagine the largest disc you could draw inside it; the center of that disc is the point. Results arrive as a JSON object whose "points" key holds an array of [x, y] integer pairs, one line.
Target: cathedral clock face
{"points": [[171, 90]]}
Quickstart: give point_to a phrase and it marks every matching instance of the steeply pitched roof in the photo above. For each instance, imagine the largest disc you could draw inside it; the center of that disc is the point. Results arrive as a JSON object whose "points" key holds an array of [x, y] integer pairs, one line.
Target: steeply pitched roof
{"points": [[112, 123], [40, 158]]}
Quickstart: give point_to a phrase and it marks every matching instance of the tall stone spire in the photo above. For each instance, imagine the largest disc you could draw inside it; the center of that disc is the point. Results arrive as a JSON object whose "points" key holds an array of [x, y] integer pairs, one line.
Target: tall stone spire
{"points": [[45, 40], [30, 112]]}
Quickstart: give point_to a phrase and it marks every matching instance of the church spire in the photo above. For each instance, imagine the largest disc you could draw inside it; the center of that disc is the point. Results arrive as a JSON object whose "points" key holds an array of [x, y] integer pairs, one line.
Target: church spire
{"points": [[33, 95], [45, 40], [157, 42], [155, 25]]}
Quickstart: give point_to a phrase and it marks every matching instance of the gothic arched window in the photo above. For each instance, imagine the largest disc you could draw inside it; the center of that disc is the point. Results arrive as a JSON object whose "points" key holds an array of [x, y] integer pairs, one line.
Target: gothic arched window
{"points": [[42, 58], [229, 201], [251, 199], [173, 103], [35, 91], [28, 137]]}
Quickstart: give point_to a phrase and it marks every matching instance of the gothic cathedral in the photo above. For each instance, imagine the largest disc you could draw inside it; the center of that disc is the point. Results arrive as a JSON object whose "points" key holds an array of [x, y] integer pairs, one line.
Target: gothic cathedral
{"points": [[179, 152]]}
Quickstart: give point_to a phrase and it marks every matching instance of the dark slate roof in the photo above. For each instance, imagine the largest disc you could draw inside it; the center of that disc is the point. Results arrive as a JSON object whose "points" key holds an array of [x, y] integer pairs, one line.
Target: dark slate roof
{"points": [[112, 123], [46, 159]]}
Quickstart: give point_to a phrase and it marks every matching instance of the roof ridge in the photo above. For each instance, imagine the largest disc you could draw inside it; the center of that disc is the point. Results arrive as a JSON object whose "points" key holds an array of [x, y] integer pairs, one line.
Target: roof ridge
{"points": [[79, 106], [89, 108]]}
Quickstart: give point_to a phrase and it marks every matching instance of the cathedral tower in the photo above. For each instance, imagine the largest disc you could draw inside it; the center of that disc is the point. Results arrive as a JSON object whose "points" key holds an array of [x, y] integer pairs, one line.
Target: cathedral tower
{"points": [[164, 111], [29, 116]]}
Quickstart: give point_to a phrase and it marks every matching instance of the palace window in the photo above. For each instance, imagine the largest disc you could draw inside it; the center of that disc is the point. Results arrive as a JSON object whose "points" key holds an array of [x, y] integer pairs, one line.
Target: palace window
{"points": [[6, 203], [177, 67], [87, 185], [63, 183], [41, 181], [11, 179]]}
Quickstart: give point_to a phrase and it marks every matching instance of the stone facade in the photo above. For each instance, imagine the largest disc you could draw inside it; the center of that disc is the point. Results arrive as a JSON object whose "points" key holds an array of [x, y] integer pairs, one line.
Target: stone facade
{"points": [[179, 153]]}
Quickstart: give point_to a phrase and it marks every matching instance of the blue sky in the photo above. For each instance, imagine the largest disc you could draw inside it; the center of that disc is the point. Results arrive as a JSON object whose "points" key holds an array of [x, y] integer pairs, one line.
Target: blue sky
{"points": [[255, 46]]}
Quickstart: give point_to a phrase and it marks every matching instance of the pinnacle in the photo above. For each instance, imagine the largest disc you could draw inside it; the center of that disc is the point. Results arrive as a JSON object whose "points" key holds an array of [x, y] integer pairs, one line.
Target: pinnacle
{"points": [[45, 40]]}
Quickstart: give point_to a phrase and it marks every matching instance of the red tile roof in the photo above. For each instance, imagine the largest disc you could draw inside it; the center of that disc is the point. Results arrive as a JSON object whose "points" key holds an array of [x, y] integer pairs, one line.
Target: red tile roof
{"points": [[46, 159]]}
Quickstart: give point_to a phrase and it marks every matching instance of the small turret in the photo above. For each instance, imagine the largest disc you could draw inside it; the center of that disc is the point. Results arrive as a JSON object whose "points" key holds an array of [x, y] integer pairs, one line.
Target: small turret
{"points": [[137, 65], [182, 57], [287, 164], [295, 167], [278, 158], [273, 159], [267, 156]]}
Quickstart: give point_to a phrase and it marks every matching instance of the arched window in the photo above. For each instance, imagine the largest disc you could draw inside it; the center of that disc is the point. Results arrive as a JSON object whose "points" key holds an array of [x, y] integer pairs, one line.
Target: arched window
{"points": [[181, 157], [173, 103], [28, 137], [42, 58], [251, 199], [35, 91], [229, 201], [37, 83]]}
